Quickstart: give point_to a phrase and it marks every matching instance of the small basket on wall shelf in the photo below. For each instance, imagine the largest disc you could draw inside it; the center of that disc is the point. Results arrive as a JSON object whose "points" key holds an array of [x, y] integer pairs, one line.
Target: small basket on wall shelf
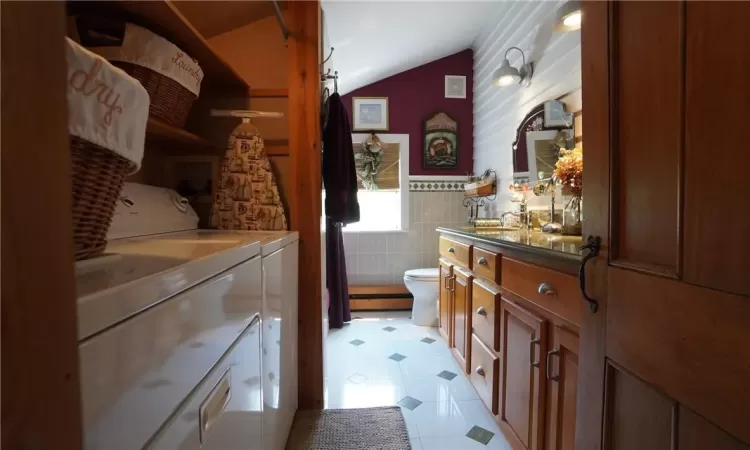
{"points": [[476, 190], [484, 185]]}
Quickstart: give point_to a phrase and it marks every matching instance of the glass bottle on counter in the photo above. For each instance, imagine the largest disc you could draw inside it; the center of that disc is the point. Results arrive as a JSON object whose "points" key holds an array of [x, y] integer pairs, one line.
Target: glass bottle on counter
{"points": [[572, 220]]}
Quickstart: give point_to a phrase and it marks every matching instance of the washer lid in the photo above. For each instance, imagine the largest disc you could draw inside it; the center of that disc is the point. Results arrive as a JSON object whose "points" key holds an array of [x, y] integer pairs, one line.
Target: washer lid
{"points": [[426, 274], [144, 210]]}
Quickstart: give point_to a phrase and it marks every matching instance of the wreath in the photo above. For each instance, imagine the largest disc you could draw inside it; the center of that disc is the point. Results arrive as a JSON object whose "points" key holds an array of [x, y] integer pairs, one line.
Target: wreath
{"points": [[370, 157]]}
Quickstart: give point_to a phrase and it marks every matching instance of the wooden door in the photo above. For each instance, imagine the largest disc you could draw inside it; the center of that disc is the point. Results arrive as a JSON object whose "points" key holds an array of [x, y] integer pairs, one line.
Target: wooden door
{"points": [[522, 387], [446, 300], [671, 277], [461, 286], [562, 384]]}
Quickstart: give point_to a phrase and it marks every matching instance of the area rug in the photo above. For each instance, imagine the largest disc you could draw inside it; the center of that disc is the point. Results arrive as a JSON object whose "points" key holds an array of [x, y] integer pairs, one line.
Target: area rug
{"points": [[349, 429]]}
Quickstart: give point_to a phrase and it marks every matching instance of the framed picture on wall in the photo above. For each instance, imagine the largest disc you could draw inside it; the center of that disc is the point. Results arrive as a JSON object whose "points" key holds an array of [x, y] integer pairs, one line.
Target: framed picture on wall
{"points": [[370, 113], [440, 142]]}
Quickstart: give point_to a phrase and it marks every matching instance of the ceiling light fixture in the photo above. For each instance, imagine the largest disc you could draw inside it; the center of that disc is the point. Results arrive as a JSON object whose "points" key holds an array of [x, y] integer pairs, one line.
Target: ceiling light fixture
{"points": [[569, 16], [507, 74]]}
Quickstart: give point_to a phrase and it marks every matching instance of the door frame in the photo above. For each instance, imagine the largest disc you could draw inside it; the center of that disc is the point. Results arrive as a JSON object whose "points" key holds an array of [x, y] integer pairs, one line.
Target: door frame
{"points": [[41, 403]]}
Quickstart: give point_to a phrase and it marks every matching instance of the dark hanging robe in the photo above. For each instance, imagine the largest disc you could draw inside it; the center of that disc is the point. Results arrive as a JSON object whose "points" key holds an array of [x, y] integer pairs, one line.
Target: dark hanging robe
{"points": [[341, 205]]}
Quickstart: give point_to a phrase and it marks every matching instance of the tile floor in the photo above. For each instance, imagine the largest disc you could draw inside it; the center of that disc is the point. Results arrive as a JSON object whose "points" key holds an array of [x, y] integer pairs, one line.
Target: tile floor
{"points": [[381, 359]]}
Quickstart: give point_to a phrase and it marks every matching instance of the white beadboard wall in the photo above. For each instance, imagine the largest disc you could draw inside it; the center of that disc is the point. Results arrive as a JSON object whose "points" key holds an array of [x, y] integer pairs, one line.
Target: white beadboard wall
{"points": [[498, 111]]}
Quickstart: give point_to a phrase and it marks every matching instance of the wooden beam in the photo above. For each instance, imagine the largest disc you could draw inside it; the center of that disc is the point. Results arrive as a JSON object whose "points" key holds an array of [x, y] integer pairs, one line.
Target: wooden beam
{"points": [[40, 394], [305, 191]]}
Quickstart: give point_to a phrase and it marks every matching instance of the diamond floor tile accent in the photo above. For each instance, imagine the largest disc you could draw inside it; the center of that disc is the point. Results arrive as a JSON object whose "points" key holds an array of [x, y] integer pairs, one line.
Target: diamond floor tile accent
{"points": [[447, 375], [428, 340], [389, 329], [357, 378], [480, 435], [357, 342], [410, 403], [397, 357]]}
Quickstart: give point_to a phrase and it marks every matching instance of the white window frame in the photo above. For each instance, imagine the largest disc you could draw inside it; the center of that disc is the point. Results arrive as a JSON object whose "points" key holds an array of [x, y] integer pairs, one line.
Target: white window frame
{"points": [[403, 167]]}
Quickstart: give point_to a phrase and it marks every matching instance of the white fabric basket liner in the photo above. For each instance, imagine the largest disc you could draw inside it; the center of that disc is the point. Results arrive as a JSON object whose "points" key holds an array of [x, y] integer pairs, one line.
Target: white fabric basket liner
{"points": [[145, 48], [106, 106]]}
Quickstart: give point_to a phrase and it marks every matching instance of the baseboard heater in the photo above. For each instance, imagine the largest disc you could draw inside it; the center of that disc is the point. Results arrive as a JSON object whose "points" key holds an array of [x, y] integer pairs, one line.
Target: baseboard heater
{"points": [[379, 298]]}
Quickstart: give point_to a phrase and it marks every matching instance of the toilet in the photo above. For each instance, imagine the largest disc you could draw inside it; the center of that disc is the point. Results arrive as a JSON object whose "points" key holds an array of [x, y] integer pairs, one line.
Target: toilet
{"points": [[423, 284]]}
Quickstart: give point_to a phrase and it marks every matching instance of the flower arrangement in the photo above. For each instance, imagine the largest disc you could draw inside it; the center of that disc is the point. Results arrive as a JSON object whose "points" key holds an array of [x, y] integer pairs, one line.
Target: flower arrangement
{"points": [[569, 170]]}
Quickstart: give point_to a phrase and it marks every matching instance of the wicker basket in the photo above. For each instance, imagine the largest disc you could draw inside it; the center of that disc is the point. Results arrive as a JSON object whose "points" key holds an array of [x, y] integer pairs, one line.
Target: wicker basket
{"points": [[107, 133], [171, 78], [98, 177], [170, 101]]}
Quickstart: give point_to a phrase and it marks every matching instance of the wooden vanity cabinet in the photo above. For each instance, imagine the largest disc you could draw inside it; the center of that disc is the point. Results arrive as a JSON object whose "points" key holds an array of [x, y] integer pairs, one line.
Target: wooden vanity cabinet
{"points": [[461, 287], [513, 326], [445, 301], [562, 388], [522, 382]]}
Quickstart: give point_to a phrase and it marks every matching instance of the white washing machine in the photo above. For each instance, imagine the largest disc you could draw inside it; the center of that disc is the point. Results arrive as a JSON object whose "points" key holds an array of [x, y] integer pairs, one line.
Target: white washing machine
{"points": [[187, 337]]}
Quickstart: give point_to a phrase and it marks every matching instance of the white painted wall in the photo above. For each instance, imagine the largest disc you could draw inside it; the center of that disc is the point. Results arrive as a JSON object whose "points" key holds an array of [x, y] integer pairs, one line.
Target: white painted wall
{"points": [[498, 111]]}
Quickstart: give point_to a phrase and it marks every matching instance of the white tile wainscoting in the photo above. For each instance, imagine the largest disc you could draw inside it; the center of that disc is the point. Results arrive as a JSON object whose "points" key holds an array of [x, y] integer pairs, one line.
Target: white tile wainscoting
{"points": [[376, 258]]}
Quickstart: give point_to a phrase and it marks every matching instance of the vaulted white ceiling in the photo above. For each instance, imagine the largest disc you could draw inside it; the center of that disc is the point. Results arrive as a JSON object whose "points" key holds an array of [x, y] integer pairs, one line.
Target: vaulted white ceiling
{"points": [[374, 39]]}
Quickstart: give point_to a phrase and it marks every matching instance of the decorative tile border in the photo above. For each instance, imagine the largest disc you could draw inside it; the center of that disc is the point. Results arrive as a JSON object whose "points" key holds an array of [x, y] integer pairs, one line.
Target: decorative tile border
{"points": [[436, 184]]}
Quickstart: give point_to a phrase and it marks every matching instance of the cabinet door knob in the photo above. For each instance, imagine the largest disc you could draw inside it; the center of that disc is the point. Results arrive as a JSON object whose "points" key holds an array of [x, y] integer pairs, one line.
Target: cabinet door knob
{"points": [[482, 260], [547, 289], [451, 250], [481, 311], [480, 371], [549, 365], [532, 342]]}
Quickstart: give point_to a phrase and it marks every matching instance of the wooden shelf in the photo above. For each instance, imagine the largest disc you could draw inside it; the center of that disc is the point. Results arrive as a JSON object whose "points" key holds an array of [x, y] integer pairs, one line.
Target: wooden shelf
{"points": [[164, 18], [177, 137], [269, 93]]}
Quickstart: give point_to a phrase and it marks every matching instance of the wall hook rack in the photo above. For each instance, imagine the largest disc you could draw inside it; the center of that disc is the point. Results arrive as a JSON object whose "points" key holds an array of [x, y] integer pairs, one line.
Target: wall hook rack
{"points": [[327, 58], [280, 19]]}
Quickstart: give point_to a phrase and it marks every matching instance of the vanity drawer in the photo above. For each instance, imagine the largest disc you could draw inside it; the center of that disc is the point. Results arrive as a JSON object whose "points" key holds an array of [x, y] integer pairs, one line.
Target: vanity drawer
{"points": [[486, 264], [485, 301], [457, 252], [484, 371], [554, 291]]}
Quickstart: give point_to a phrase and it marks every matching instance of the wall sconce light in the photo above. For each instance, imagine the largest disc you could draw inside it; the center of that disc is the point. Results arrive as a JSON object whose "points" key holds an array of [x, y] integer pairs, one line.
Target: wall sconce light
{"points": [[569, 16], [507, 74]]}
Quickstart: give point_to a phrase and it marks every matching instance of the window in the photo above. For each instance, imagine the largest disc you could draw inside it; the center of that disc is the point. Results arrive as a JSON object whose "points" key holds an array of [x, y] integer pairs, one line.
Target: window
{"points": [[385, 209]]}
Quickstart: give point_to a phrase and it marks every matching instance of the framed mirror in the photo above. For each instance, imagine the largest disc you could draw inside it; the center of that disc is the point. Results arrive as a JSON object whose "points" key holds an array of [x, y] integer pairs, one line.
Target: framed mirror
{"points": [[539, 137]]}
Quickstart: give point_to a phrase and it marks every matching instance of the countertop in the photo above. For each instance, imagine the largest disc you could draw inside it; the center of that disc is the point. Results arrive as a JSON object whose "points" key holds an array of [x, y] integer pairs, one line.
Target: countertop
{"points": [[559, 249]]}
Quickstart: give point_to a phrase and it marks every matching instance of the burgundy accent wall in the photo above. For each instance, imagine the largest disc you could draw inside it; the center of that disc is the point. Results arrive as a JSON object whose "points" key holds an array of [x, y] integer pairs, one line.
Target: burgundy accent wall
{"points": [[420, 92]]}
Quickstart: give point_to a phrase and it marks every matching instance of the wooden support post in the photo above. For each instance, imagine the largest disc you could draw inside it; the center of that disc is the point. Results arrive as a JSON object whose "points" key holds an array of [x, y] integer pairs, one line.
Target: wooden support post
{"points": [[305, 193], [40, 394]]}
